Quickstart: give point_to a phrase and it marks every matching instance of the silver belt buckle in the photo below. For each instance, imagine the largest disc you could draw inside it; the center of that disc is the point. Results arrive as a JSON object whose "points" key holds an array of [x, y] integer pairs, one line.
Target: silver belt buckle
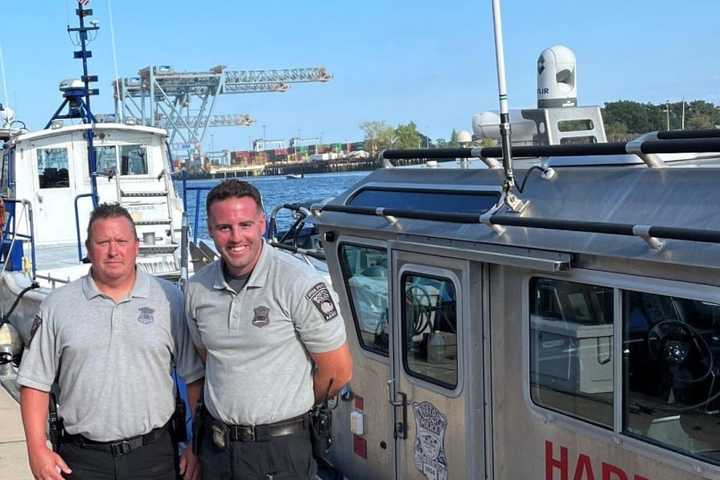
{"points": [[247, 433]]}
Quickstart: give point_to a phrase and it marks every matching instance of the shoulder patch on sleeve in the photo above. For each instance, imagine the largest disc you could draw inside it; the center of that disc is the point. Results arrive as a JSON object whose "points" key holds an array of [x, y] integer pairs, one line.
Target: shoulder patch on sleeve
{"points": [[37, 321], [321, 298]]}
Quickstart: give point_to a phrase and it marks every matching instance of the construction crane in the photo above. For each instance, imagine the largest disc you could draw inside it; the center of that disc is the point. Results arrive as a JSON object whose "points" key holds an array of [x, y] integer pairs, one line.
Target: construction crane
{"points": [[219, 120], [161, 97]]}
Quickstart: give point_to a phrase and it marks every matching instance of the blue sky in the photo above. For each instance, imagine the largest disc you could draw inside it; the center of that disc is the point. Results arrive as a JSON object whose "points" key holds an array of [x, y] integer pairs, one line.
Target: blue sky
{"points": [[395, 60]]}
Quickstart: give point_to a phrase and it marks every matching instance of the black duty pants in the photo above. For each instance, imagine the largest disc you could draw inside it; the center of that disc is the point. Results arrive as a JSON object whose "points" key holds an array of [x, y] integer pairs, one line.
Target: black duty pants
{"points": [[281, 458], [155, 461]]}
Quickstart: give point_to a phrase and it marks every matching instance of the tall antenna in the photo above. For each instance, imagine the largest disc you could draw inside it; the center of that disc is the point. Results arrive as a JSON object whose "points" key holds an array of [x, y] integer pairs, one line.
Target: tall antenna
{"points": [[510, 200], [114, 51], [77, 95], [4, 79]]}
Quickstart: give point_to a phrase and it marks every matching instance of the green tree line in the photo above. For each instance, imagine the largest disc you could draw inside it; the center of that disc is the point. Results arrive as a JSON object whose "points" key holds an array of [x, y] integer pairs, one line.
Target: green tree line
{"points": [[381, 136], [624, 119]]}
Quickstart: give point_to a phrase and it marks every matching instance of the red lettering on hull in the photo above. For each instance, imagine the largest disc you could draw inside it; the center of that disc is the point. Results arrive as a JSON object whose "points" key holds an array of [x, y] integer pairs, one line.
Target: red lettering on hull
{"points": [[583, 469], [611, 472], [551, 463], [558, 468]]}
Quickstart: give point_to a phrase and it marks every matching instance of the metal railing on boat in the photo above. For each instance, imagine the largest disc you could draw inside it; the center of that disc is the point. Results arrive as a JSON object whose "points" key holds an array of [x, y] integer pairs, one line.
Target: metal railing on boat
{"points": [[688, 141], [11, 235], [77, 223], [647, 232]]}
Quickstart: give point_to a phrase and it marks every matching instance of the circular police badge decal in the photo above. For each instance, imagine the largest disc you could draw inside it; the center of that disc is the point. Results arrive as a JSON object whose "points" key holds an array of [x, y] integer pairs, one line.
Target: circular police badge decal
{"points": [[430, 427], [146, 315]]}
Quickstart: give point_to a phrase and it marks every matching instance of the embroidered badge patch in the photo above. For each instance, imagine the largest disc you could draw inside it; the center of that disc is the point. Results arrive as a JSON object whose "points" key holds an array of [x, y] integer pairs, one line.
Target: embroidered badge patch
{"points": [[262, 316], [146, 315], [37, 321], [321, 298]]}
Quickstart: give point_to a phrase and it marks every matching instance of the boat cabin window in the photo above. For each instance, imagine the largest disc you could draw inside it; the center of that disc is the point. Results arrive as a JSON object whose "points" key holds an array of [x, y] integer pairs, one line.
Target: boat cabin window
{"points": [[52, 166], [366, 281], [578, 140], [670, 380], [106, 160], [432, 200], [429, 321], [571, 349], [671, 372], [133, 160], [575, 125]]}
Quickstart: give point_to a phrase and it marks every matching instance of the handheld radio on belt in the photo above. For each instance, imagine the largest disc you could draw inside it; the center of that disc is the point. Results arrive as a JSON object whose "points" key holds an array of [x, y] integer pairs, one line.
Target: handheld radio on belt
{"points": [[321, 427], [178, 421], [198, 424], [55, 424]]}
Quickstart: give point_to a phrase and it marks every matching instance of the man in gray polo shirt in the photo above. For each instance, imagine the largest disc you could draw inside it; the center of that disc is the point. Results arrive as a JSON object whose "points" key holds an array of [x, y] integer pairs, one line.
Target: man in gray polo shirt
{"points": [[110, 341], [273, 340]]}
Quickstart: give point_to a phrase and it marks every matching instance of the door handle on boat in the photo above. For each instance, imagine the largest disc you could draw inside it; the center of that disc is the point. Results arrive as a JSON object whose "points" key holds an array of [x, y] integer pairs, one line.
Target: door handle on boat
{"points": [[398, 401], [392, 399]]}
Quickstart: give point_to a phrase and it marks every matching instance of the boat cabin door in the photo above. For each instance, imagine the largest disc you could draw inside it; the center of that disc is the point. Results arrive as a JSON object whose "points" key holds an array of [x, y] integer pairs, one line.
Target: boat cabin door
{"points": [[54, 187], [437, 388]]}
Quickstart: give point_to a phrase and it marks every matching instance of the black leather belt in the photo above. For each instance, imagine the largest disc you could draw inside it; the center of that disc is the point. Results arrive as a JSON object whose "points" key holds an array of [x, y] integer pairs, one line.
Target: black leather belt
{"points": [[120, 447], [260, 433]]}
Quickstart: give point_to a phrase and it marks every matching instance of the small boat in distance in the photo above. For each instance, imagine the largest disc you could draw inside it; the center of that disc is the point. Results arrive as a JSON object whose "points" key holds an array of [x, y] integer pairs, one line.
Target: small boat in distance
{"points": [[295, 176]]}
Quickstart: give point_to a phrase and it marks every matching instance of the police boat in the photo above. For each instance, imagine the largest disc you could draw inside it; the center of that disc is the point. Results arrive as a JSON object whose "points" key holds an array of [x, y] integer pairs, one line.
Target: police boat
{"points": [[50, 181], [554, 314], [581, 328]]}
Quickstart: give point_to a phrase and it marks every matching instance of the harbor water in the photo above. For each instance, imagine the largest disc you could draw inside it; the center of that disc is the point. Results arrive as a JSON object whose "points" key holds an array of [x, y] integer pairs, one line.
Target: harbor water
{"points": [[275, 190]]}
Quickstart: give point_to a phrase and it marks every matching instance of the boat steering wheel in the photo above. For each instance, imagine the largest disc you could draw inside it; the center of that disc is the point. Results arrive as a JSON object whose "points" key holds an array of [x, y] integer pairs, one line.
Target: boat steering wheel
{"points": [[419, 299], [672, 341]]}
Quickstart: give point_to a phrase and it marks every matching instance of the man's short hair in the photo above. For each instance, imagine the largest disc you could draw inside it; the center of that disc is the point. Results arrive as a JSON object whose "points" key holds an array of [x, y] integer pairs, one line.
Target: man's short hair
{"points": [[233, 188], [110, 210]]}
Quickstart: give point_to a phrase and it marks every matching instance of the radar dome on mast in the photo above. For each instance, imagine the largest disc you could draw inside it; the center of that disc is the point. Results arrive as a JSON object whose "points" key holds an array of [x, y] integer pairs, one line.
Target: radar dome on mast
{"points": [[464, 137], [557, 80], [557, 120]]}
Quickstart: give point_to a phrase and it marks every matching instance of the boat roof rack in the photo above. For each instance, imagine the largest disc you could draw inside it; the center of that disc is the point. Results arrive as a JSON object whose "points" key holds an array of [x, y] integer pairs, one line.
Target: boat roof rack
{"points": [[686, 141], [649, 233], [703, 133]]}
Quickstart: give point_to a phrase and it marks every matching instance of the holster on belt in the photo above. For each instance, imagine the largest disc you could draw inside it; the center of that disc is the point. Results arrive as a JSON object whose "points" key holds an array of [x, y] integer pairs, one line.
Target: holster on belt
{"points": [[321, 429], [55, 424], [178, 425], [198, 425]]}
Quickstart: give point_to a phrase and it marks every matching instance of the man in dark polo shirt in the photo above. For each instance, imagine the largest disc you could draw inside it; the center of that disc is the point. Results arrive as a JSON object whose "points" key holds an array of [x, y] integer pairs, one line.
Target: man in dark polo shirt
{"points": [[110, 340]]}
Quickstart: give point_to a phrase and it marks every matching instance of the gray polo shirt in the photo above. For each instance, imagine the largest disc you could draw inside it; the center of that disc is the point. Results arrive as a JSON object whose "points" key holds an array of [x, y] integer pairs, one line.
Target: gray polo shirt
{"points": [[113, 361], [258, 370]]}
